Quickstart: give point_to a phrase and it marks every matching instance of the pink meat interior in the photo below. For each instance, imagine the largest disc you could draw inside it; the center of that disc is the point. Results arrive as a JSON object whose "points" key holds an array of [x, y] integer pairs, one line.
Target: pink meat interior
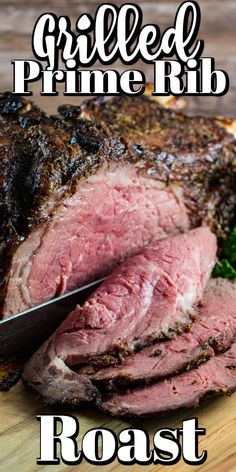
{"points": [[110, 217]]}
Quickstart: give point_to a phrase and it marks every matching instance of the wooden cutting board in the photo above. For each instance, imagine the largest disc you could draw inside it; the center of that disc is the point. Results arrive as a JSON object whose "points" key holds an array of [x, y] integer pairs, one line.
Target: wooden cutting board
{"points": [[19, 433]]}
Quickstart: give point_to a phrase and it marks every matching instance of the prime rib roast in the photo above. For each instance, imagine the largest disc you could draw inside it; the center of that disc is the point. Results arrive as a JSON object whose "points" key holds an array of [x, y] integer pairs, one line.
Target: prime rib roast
{"points": [[150, 296], [122, 181], [90, 187]]}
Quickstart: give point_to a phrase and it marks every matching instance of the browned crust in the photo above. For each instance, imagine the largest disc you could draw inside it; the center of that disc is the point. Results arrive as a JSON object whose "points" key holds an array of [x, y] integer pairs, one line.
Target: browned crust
{"points": [[10, 373], [45, 158]]}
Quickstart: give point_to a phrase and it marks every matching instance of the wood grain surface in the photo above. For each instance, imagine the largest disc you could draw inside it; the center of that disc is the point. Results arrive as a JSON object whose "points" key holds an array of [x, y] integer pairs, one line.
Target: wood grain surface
{"points": [[19, 430], [19, 434]]}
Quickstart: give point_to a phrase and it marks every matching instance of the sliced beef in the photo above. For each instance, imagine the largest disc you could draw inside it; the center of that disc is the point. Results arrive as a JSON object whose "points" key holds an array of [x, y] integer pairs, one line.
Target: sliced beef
{"points": [[212, 332], [149, 296], [217, 376], [77, 197]]}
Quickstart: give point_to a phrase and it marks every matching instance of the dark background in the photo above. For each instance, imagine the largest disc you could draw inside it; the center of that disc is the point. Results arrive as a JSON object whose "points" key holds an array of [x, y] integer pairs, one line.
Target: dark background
{"points": [[218, 29]]}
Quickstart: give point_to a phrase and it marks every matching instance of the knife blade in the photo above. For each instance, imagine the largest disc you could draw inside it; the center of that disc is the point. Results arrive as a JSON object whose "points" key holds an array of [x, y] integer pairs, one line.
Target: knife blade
{"points": [[23, 333]]}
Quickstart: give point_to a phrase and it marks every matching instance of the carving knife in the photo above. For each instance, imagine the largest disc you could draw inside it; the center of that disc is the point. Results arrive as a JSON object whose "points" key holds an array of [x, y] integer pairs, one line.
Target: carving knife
{"points": [[23, 333]]}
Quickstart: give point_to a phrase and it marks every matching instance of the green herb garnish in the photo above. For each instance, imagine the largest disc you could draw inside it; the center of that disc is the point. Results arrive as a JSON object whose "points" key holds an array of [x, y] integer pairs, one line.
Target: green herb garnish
{"points": [[226, 267]]}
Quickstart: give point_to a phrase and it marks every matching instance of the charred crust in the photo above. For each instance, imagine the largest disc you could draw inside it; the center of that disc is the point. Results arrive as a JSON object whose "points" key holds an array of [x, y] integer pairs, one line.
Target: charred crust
{"points": [[44, 158], [10, 373], [69, 112], [10, 104], [11, 379], [114, 357], [18, 110], [85, 137]]}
